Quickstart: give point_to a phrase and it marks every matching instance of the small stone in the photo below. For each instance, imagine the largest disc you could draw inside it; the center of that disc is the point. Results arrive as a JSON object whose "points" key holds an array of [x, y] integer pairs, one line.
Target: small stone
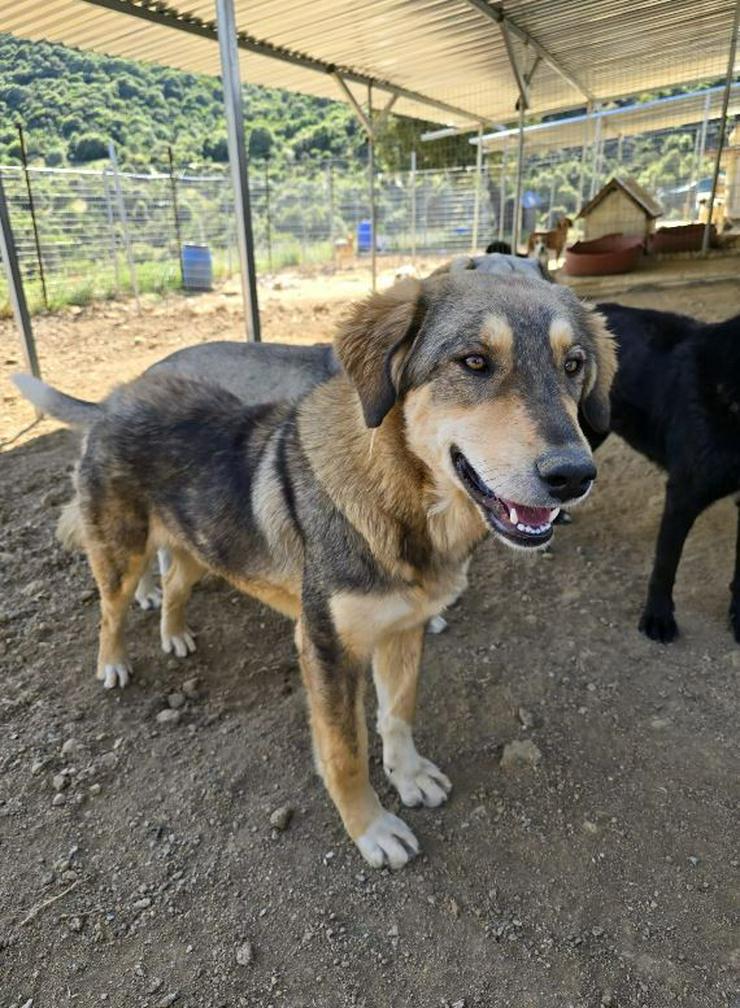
{"points": [[142, 904], [281, 817], [458, 1004], [694, 861], [86, 595], [607, 999], [437, 625], [70, 747], [168, 999], [520, 753], [526, 717], [176, 700], [393, 931], [59, 782], [75, 924], [33, 588], [109, 760], [95, 789], [190, 688], [59, 799], [168, 716], [37, 766], [590, 827], [245, 954]]}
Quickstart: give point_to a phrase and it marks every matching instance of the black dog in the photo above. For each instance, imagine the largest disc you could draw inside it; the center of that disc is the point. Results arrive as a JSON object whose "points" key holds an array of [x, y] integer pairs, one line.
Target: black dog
{"points": [[676, 399]]}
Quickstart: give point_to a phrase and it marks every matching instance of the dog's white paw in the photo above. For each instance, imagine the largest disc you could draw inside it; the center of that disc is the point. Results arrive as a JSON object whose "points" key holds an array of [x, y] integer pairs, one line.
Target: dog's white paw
{"points": [[420, 783], [149, 597], [114, 675], [388, 841], [181, 644]]}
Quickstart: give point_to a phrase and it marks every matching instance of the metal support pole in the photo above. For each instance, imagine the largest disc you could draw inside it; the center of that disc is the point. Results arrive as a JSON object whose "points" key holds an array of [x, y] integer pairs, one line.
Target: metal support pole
{"points": [[478, 183], [15, 286], [517, 228], [722, 128], [227, 44], [124, 222], [550, 222], [371, 182], [502, 196], [111, 231], [412, 183], [32, 208], [175, 213]]}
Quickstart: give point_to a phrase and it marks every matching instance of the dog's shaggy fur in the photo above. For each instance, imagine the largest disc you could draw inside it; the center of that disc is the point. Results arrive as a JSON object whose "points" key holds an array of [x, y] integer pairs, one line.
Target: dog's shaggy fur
{"points": [[354, 511], [676, 399]]}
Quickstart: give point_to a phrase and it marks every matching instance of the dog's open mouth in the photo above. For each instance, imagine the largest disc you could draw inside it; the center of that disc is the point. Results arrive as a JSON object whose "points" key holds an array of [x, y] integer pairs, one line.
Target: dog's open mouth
{"points": [[518, 523]]}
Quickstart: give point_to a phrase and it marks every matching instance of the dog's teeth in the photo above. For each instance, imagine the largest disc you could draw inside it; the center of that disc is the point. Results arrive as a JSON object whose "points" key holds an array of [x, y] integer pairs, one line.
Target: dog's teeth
{"points": [[513, 516], [521, 527], [553, 515]]}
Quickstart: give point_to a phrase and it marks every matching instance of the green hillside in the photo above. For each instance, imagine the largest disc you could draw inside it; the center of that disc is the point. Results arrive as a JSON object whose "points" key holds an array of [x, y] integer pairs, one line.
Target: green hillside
{"points": [[71, 103]]}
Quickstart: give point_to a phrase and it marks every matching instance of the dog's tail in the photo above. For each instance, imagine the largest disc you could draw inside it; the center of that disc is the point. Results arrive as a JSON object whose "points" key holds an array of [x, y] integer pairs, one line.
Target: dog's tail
{"points": [[69, 526], [71, 411]]}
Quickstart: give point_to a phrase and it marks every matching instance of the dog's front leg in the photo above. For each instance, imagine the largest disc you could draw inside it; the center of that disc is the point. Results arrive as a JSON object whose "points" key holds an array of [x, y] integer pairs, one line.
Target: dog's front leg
{"points": [[396, 673], [679, 514], [334, 681], [735, 586]]}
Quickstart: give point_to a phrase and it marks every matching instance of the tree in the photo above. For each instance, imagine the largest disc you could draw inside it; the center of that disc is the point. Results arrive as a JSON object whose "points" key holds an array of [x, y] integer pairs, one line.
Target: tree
{"points": [[88, 147]]}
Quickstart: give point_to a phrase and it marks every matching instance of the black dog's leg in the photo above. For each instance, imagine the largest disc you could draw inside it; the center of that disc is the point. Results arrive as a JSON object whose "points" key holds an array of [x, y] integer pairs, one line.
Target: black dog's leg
{"points": [[679, 514], [735, 586]]}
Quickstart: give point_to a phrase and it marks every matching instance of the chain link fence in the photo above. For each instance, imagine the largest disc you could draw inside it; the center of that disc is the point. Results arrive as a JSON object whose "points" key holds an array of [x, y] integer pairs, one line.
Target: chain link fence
{"points": [[95, 245]]}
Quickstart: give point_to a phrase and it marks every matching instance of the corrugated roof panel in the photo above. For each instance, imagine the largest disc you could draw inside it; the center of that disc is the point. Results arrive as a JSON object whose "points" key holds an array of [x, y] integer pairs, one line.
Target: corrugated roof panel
{"points": [[447, 50]]}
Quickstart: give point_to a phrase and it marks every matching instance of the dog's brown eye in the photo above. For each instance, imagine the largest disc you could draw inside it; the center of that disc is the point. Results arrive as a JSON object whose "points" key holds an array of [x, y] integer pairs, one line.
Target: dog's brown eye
{"points": [[573, 365], [476, 362]]}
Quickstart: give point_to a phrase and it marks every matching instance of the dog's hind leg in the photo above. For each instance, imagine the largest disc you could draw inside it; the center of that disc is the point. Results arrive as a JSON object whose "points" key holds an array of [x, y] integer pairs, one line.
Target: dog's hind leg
{"points": [[735, 586], [177, 582], [334, 683], [396, 672], [116, 573], [679, 514]]}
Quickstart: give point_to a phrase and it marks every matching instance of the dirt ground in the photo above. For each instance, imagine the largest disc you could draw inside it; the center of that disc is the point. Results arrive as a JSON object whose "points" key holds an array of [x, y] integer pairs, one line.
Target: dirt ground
{"points": [[138, 863]]}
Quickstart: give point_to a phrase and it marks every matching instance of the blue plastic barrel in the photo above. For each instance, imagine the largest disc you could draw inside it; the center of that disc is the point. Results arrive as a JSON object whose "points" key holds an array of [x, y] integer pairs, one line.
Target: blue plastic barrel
{"points": [[364, 235], [197, 267]]}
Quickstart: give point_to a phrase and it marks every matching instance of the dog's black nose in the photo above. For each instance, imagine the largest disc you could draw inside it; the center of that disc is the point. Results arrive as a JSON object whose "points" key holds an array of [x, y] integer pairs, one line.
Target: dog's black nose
{"points": [[568, 475]]}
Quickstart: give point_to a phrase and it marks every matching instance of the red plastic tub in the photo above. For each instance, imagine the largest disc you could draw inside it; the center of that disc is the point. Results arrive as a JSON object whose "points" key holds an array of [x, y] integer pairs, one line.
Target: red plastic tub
{"points": [[682, 238], [614, 253]]}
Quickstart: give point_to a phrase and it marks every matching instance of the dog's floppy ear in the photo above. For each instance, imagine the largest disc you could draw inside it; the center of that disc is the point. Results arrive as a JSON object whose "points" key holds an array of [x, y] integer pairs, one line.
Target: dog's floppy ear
{"points": [[595, 401], [369, 342]]}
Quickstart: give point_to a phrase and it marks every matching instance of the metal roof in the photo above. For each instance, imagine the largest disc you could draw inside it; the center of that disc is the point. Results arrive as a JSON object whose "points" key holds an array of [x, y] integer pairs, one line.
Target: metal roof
{"points": [[446, 60], [626, 120]]}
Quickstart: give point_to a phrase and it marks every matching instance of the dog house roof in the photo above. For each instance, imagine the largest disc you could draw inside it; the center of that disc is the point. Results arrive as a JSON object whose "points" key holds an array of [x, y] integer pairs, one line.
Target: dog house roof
{"points": [[440, 60], [631, 188]]}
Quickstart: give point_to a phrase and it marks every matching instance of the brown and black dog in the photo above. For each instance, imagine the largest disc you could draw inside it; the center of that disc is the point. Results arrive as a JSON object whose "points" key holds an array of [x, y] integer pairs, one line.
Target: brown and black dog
{"points": [[542, 242], [356, 510]]}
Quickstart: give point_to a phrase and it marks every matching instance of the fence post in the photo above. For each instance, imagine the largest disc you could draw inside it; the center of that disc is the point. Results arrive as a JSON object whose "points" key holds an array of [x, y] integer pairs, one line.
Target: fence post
{"points": [[15, 286], [32, 208], [112, 231], [268, 220], [176, 213], [330, 194], [584, 149], [502, 196], [517, 229], [478, 182], [412, 181], [124, 222], [722, 129]]}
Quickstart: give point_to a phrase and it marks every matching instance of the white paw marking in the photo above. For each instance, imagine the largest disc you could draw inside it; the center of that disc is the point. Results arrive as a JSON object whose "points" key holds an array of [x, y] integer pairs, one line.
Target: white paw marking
{"points": [[388, 841], [115, 675], [420, 783], [181, 644], [148, 596], [437, 625]]}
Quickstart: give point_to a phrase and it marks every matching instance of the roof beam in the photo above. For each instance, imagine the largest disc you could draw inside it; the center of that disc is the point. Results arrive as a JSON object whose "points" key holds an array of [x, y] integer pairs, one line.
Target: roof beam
{"points": [[495, 12], [169, 17], [521, 82]]}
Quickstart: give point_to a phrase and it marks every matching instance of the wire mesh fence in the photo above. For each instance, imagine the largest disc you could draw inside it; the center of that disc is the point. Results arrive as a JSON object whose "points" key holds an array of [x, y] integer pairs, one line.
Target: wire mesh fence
{"points": [[94, 245]]}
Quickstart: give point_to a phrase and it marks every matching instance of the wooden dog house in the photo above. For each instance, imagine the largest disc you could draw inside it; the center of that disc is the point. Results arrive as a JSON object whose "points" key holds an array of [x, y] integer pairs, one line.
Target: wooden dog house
{"points": [[622, 206]]}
